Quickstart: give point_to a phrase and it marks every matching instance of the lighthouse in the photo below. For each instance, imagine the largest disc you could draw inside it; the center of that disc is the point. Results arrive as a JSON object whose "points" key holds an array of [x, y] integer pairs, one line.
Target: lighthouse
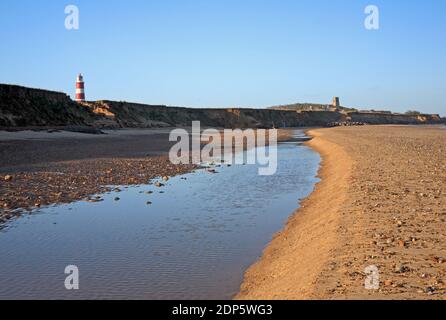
{"points": [[80, 88]]}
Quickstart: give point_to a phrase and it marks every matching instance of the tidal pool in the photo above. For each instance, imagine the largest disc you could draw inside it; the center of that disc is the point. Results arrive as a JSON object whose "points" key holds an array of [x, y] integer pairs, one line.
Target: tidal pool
{"points": [[196, 239]]}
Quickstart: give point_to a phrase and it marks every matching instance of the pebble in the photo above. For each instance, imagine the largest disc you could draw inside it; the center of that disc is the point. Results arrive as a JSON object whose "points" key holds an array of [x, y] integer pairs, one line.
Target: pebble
{"points": [[401, 268], [159, 185], [388, 283], [430, 290], [165, 178], [117, 199], [8, 177], [439, 260]]}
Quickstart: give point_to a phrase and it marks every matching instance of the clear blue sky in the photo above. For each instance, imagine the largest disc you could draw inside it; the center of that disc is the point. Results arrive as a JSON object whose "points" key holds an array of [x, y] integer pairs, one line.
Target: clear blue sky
{"points": [[216, 53]]}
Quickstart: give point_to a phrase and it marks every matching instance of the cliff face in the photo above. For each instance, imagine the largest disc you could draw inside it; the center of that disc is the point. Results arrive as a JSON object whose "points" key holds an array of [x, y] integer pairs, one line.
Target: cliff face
{"points": [[21, 107], [128, 115], [385, 118]]}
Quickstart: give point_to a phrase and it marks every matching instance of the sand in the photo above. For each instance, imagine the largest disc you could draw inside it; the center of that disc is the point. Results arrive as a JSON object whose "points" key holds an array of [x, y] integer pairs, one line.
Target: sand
{"points": [[381, 202], [62, 167]]}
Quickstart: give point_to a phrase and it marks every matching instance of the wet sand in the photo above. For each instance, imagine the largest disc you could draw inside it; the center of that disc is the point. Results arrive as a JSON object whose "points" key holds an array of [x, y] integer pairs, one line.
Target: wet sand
{"points": [[193, 240], [49, 168], [381, 202], [41, 168]]}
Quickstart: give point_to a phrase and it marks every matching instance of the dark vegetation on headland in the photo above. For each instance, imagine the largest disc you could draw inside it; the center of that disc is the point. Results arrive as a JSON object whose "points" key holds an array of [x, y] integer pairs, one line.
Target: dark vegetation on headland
{"points": [[27, 107]]}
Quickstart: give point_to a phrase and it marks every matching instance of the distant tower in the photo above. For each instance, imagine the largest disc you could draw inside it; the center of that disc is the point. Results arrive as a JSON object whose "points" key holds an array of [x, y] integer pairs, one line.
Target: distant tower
{"points": [[80, 93], [336, 102]]}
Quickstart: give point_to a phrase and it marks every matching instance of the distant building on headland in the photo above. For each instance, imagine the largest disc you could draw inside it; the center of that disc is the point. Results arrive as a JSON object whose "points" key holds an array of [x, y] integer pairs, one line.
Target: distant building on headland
{"points": [[80, 88], [336, 102], [335, 106]]}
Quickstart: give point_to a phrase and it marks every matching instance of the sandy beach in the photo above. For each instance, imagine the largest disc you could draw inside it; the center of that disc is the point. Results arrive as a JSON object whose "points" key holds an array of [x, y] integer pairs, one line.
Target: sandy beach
{"points": [[380, 203]]}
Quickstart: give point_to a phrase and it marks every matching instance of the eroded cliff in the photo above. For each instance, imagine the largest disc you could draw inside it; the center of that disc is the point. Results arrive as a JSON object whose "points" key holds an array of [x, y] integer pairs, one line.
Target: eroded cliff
{"points": [[27, 107]]}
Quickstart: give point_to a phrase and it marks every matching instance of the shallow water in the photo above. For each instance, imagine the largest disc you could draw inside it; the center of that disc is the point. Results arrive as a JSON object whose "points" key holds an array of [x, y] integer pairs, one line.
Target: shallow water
{"points": [[193, 242]]}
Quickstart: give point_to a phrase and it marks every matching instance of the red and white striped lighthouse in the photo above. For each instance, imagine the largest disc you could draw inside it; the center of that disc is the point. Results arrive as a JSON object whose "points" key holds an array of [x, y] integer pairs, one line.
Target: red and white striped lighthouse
{"points": [[80, 88]]}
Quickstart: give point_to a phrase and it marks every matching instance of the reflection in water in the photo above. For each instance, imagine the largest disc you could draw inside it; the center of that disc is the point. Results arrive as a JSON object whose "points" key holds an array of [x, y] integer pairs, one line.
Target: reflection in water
{"points": [[193, 242]]}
